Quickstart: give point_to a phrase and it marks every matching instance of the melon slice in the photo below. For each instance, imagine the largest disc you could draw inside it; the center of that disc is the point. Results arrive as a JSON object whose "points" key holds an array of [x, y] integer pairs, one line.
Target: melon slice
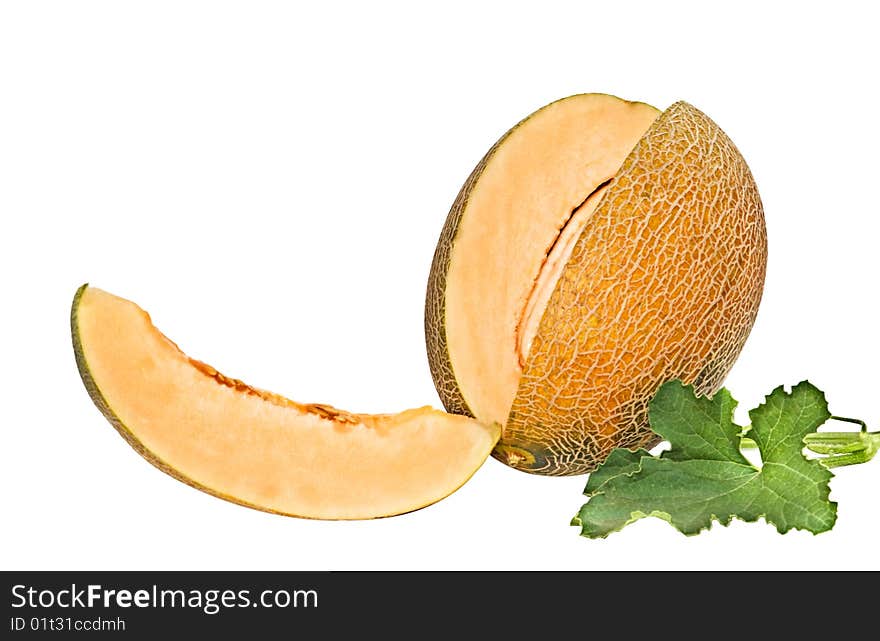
{"points": [[598, 249], [257, 448]]}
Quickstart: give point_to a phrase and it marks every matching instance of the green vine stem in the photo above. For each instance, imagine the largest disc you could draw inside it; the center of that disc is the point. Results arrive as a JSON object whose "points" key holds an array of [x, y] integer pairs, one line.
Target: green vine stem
{"points": [[844, 448], [837, 449]]}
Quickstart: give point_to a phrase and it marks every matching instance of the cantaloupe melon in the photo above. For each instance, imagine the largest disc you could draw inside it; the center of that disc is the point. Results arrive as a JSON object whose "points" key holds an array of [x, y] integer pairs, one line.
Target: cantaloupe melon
{"points": [[257, 448], [597, 250]]}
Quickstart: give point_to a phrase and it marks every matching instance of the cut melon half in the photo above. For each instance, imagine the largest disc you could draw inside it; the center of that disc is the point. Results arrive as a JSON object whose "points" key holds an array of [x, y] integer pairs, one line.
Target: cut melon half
{"points": [[600, 248], [257, 448]]}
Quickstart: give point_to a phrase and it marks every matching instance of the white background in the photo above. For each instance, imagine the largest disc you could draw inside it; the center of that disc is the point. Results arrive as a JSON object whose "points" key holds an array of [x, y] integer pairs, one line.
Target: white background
{"points": [[269, 181]]}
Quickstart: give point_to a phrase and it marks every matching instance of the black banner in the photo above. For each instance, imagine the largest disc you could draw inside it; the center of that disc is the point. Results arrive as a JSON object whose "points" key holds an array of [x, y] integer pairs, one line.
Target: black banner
{"points": [[288, 604]]}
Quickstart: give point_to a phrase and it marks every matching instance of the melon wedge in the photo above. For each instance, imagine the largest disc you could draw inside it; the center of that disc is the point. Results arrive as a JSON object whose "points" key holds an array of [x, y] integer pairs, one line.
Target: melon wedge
{"points": [[257, 448]]}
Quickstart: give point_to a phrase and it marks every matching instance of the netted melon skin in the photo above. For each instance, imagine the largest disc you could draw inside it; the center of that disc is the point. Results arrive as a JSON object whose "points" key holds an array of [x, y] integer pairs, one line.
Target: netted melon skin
{"points": [[664, 282]]}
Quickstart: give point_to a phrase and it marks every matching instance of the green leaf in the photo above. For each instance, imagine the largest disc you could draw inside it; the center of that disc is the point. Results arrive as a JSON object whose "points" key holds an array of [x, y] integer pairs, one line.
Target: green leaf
{"points": [[620, 462], [704, 476]]}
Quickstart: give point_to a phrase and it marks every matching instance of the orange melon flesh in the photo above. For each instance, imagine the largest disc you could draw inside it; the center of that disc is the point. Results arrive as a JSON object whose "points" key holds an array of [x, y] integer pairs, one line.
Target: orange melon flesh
{"points": [[257, 448], [537, 190]]}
